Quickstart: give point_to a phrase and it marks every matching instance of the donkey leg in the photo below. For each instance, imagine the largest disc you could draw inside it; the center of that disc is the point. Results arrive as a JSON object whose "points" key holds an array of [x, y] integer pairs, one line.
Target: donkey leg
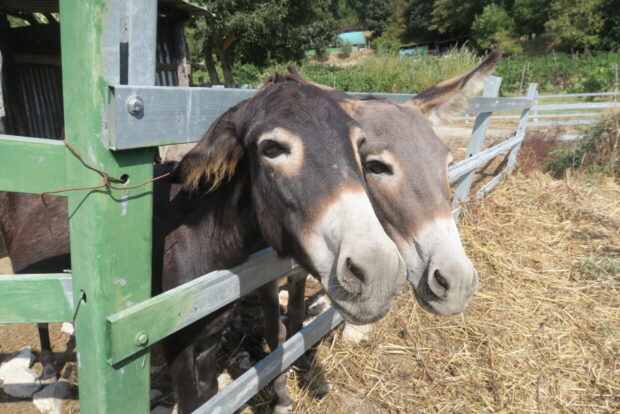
{"points": [[191, 354], [206, 349], [275, 334], [296, 311], [296, 308], [46, 357], [181, 363]]}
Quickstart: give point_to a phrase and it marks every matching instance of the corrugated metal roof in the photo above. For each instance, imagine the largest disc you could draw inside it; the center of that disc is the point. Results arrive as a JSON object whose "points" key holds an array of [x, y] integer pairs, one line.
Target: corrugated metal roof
{"points": [[51, 6]]}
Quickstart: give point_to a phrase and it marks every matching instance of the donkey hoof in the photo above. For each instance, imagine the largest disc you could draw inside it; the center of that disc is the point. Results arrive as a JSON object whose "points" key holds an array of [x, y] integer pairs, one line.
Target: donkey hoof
{"points": [[282, 409], [356, 333]]}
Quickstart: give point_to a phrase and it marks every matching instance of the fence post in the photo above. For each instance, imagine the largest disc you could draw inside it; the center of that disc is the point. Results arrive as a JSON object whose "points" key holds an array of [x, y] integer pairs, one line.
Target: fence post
{"points": [[476, 142], [521, 128], [110, 230]]}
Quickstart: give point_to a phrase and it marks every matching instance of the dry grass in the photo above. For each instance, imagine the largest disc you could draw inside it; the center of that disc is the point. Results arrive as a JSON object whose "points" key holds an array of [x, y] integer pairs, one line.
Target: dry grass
{"points": [[542, 334]]}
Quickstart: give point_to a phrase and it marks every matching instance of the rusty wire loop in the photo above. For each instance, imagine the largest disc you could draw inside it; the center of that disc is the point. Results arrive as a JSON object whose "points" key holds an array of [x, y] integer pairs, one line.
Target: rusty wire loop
{"points": [[107, 181], [107, 178]]}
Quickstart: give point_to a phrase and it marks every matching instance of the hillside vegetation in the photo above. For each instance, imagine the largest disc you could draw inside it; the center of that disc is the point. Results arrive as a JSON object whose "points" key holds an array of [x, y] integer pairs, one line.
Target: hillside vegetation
{"points": [[556, 73]]}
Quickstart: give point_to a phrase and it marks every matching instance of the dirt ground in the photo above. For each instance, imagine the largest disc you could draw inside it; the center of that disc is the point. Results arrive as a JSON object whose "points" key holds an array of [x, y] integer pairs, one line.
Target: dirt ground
{"points": [[542, 334]]}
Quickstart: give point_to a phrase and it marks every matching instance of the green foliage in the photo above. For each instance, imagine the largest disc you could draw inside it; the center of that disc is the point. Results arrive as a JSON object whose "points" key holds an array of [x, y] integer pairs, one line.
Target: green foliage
{"points": [[418, 19], [611, 26], [494, 28], [376, 14], [530, 15], [575, 24], [565, 25], [386, 44], [17, 22], [455, 17], [345, 50], [600, 268], [559, 72], [597, 152], [556, 73]]}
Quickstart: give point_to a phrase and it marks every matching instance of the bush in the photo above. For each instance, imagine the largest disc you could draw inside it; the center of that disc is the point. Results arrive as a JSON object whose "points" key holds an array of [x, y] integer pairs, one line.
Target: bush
{"points": [[597, 152], [560, 72], [345, 50], [321, 54], [386, 44]]}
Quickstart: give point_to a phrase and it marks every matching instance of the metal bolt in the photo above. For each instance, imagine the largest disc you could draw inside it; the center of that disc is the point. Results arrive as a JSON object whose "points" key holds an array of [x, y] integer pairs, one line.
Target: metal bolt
{"points": [[135, 105], [142, 338]]}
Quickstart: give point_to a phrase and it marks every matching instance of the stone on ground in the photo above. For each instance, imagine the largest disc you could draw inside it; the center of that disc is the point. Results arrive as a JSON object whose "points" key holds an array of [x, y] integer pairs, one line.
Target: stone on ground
{"points": [[223, 380], [19, 380], [51, 398], [155, 394], [160, 409], [68, 328], [356, 333]]}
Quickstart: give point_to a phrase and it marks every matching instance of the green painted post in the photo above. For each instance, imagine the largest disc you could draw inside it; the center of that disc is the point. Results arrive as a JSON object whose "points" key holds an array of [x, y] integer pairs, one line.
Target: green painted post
{"points": [[110, 229]]}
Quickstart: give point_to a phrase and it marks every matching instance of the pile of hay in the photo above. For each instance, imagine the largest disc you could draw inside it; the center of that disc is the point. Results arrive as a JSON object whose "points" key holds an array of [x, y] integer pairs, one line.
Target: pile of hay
{"points": [[541, 335]]}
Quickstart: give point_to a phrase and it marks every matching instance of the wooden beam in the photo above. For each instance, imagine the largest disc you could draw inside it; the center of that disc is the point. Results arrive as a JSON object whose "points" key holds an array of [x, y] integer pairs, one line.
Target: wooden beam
{"points": [[32, 165], [36, 298], [172, 310]]}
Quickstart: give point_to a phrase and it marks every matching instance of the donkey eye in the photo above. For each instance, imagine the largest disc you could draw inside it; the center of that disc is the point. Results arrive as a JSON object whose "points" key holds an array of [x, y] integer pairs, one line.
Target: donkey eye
{"points": [[377, 167], [272, 149]]}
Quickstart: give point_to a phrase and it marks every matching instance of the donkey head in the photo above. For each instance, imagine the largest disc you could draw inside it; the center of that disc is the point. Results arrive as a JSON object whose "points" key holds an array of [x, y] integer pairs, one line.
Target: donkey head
{"points": [[293, 149], [406, 169]]}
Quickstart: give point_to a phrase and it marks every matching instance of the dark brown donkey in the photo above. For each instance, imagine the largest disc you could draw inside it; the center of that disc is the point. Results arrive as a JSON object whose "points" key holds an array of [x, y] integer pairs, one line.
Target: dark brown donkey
{"points": [[277, 169], [406, 169]]}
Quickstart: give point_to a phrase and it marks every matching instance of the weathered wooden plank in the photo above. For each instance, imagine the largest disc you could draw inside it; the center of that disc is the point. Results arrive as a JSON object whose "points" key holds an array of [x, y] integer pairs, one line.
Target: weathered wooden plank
{"points": [[110, 231], [489, 104], [36, 298], [521, 128], [564, 122], [572, 95], [476, 141], [32, 165], [465, 166], [253, 380], [170, 311], [582, 105]]}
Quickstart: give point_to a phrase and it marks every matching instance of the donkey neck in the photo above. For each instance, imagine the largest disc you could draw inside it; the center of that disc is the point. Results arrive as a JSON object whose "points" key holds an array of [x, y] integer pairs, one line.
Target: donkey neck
{"points": [[205, 231]]}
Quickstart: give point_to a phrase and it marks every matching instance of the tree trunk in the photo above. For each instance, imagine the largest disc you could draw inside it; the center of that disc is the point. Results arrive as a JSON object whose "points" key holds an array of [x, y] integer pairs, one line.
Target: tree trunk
{"points": [[209, 62], [229, 82]]}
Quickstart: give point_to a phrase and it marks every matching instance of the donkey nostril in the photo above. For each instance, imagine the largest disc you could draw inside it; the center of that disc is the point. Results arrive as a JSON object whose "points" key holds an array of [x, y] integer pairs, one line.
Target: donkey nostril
{"points": [[355, 271], [441, 280]]}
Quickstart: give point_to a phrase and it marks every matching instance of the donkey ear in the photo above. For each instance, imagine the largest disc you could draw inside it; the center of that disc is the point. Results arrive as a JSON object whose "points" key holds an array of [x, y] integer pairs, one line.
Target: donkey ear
{"points": [[214, 159], [448, 97]]}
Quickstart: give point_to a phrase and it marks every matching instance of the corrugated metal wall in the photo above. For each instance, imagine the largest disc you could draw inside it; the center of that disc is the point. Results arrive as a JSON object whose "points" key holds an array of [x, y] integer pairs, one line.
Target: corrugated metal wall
{"points": [[36, 106]]}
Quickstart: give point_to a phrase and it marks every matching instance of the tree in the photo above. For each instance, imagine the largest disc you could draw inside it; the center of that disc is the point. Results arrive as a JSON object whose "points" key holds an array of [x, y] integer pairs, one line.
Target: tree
{"points": [[531, 15], [257, 31], [376, 15], [494, 27], [455, 17], [418, 19], [611, 25], [575, 24]]}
